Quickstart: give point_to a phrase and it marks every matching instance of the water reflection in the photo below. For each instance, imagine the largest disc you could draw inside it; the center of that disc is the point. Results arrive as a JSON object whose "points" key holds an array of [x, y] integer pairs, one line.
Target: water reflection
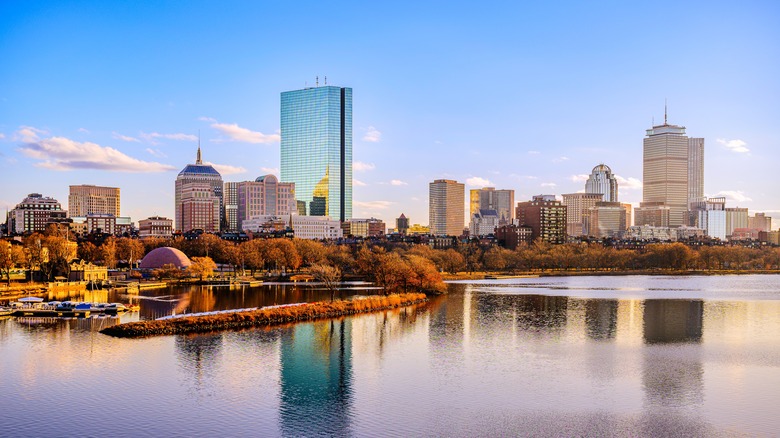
{"points": [[316, 379], [542, 313], [601, 318], [199, 356], [668, 321]]}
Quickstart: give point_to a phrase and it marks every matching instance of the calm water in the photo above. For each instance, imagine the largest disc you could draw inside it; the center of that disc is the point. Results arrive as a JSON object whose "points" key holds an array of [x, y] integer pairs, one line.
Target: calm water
{"points": [[606, 356]]}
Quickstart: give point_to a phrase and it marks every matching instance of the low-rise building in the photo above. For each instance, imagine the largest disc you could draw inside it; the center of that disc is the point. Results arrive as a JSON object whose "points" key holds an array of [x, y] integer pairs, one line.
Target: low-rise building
{"points": [[155, 226], [85, 271], [512, 235], [303, 227], [363, 227], [483, 223]]}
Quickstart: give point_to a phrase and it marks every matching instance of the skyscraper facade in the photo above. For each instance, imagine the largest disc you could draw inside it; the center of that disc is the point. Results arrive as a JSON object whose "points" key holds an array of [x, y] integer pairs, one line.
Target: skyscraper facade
{"points": [[695, 170], [88, 199], [446, 205], [577, 205], [601, 180], [488, 198], [316, 149], [198, 198]]}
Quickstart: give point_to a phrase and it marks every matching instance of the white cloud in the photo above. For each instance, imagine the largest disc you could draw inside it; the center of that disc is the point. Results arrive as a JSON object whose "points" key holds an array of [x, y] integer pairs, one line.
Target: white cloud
{"points": [[398, 182], [226, 169], [629, 183], [84, 130], [177, 136], [237, 133], [270, 170], [734, 195], [122, 137], [548, 184], [373, 205], [476, 181], [579, 178], [735, 145], [28, 134], [59, 153], [358, 183], [560, 159], [534, 153], [207, 119], [372, 135], [156, 152], [360, 166]]}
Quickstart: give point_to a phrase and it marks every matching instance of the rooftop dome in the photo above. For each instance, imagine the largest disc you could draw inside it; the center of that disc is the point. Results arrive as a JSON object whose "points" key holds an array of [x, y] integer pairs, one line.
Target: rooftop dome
{"points": [[602, 168], [267, 178], [199, 168], [165, 256]]}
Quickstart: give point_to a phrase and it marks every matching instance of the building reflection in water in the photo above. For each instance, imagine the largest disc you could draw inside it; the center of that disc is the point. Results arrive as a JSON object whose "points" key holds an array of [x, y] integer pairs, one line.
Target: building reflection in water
{"points": [[316, 379], [541, 312], [673, 320], [198, 356], [601, 318]]}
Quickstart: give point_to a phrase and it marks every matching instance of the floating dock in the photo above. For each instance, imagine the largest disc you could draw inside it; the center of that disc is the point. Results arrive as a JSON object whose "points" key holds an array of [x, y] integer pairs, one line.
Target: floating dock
{"points": [[52, 313]]}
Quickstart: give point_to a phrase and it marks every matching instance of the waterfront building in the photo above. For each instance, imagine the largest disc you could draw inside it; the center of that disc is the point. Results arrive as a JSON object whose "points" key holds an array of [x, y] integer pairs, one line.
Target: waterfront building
{"points": [[89, 199], [488, 198], [303, 227], [85, 271], [710, 215], [402, 224], [546, 216], [607, 219], [483, 223], [601, 180], [198, 198], [446, 199], [316, 149], [230, 201], [155, 226], [510, 236], [34, 213], [735, 218], [363, 227], [669, 156], [264, 196], [577, 205], [760, 221]]}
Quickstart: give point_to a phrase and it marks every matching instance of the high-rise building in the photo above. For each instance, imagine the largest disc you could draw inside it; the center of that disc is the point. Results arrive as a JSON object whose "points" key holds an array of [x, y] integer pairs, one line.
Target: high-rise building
{"points": [[34, 213], [446, 199], [88, 199], [264, 196], [577, 205], [488, 198], [607, 219], [669, 158], [546, 216], [736, 217], [198, 198], [601, 180], [230, 202], [316, 149], [710, 215]]}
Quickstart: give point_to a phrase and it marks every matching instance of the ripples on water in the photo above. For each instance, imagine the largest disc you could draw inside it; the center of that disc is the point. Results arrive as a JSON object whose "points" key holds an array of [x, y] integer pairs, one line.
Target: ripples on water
{"points": [[597, 356]]}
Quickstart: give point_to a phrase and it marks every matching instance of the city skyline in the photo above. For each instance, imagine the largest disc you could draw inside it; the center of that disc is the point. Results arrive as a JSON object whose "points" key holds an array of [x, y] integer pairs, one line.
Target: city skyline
{"points": [[487, 107]]}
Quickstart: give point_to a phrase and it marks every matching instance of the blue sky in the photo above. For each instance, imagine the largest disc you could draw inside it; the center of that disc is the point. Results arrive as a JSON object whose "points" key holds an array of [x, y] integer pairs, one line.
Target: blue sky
{"points": [[517, 96]]}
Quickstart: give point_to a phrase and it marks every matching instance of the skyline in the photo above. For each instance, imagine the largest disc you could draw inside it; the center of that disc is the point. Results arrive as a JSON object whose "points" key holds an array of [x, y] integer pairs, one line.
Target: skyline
{"points": [[528, 98]]}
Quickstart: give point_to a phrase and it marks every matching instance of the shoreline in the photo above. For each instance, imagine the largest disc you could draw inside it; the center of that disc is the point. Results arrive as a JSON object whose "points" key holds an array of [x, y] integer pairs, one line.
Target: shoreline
{"points": [[263, 317], [659, 272]]}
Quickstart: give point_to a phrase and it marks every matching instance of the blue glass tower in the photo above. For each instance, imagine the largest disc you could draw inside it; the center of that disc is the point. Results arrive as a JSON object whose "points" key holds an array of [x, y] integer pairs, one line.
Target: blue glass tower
{"points": [[317, 149]]}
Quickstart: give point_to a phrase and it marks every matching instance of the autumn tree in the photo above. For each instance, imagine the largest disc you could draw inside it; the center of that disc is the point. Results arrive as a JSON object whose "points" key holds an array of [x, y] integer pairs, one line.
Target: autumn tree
{"points": [[311, 252], [34, 252], [108, 252], [88, 252], [167, 271], [11, 257], [129, 249], [423, 273], [59, 253], [329, 276], [202, 267]]}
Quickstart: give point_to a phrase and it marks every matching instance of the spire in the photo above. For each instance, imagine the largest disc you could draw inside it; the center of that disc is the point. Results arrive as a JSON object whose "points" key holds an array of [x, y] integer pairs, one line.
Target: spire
{"points": [[665, 112], [198, 160]]}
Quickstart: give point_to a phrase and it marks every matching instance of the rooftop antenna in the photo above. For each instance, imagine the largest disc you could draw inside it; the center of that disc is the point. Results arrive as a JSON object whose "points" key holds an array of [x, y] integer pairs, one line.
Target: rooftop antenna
{"points": [[326, 80], [665, 111], [317, 81], [198, 160]]}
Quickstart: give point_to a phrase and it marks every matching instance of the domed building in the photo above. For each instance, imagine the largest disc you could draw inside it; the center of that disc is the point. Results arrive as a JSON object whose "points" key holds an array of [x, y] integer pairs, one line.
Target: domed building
{"points": [[159, 257], [602, 180], [199, 200]]}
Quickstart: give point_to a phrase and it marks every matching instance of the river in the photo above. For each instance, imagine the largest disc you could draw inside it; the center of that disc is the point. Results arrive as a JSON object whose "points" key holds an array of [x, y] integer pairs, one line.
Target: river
{"points": [[558, 356]]}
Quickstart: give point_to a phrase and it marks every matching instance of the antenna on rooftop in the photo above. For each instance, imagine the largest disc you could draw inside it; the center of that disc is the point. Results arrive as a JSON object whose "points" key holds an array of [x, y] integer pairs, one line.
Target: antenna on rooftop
{"points": [[197, 159], [316, 81], [326, 80], [665, 111]]}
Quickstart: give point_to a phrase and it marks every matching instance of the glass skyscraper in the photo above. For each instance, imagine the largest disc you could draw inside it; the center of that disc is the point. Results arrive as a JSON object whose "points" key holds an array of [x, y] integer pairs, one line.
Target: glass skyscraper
{"points": [[317, 149]]}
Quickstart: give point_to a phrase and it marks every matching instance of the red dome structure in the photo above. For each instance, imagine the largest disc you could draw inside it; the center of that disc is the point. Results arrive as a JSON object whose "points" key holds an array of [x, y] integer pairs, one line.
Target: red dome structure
{"points": [[165, 256]]}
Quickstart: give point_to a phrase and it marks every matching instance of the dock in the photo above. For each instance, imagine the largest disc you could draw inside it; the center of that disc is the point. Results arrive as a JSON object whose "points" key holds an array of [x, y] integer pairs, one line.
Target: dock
{"points": [[52, 313]]}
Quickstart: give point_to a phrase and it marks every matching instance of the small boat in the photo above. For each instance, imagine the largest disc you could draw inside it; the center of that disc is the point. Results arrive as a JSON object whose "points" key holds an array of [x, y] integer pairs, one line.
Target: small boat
{"points": [[5, 311]]}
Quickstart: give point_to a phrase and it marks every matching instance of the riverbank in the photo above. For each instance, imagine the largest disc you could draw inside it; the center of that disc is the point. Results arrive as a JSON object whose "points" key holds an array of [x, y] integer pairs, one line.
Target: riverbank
{"points": [[263, 317], [572, 273]]}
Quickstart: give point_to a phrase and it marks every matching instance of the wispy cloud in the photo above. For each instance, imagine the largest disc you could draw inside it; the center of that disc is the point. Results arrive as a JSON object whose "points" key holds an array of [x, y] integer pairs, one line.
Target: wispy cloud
{"points": [[360, 166], [373, 205], [156, 152], [123, 137], [735, 145], [579, 178], [398, 182], [476, 181], [358, 183], [270, 170], [84, 130], [207, 119], [153, 136], [734, 195], [548, 184], [59, 153], [629, 183], [28, 134], [233, 132], [226, 169], [372, 135], [560, 159]]}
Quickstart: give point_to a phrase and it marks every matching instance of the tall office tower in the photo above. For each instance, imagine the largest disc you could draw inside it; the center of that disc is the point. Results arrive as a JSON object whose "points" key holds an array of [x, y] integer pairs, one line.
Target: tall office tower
{"points": [[577, 205], [230, 201], [695, 170], [488, 198], [317, 149], [264, 196], [198, 190], [665, 172], [446, 199], [601, 180], [545, 216], [87, 199]]}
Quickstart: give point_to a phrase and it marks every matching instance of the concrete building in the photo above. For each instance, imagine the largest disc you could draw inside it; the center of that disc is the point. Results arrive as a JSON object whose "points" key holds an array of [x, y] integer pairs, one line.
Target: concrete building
{"points": [[710, 215], [760, 221], [402, 224], [546, 216], [446, 199], [230, 201], [488, 198], [316, 149], [695, 169], [484, 223], [89, 199], [601, 180], [304, 227], [198, 198], [735, 218], [607, 219], [264, 196], [34, 213], [364, 227], [155, 226], [577, 206]]}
